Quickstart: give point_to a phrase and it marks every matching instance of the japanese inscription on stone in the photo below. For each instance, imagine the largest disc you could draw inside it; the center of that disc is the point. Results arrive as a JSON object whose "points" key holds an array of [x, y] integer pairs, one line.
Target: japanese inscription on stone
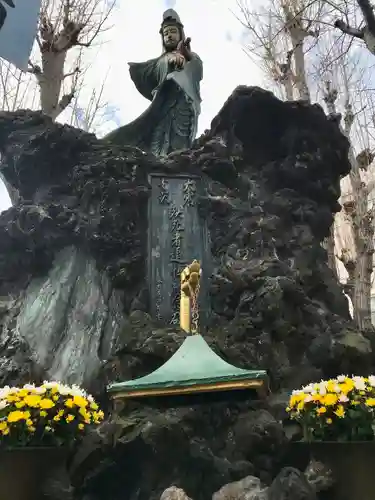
{"points": [[177, 236]]}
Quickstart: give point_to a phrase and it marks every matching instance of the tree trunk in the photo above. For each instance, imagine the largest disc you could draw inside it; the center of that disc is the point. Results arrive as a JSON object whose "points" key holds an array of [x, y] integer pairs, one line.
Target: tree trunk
{"points": [[329, 245], [362, 291], [363, 231], [50, 82], [300, 69]]}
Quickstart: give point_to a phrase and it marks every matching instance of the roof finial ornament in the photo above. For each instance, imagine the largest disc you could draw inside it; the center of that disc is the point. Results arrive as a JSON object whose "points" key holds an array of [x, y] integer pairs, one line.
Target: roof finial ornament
{"points": [[189, 304]]}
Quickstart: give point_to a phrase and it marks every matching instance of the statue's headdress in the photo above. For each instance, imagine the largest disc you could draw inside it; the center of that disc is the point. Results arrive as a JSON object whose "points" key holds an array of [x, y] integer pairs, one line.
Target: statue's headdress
{"points": [[170, 17]]}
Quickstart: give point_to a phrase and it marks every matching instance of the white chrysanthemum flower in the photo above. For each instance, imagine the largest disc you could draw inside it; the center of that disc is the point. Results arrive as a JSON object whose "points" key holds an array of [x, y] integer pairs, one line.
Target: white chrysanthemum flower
{"points": [[336, 388], [343, 398], [29, 387], [65, 390], [371, 380], [39, 390], [78, 391], [4, 391], [3, 404], [51, 385], [297, 392], [359, 383], [308, 388], [341, 378], [322, 388]]}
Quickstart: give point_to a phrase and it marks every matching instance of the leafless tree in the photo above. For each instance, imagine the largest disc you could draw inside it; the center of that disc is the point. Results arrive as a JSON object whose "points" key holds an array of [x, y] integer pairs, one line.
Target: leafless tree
{"points": [[55, 79], [282, 34], [91, 113], [354, 225], [306, 59], [66, 28]]}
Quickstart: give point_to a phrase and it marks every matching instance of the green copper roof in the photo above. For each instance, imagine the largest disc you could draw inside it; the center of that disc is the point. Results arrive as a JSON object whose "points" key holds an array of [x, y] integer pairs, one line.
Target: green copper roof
{"points": [[194, 363]]}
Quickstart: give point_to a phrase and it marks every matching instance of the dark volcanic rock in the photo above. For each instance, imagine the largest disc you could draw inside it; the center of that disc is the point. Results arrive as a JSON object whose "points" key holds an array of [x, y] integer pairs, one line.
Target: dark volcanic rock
{"points": [[74, 300], [290, 484]]}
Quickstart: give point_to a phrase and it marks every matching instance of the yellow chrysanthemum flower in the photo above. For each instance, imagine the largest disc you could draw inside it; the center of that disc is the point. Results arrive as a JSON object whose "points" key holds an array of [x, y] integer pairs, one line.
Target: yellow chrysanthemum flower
{"points": [[46, 404], [347, 386], [332, 386], [33, 400], [340, 412], [3, 426], [16, 416], [84, 413], [330, 399], [80, 401], [12, 398]]}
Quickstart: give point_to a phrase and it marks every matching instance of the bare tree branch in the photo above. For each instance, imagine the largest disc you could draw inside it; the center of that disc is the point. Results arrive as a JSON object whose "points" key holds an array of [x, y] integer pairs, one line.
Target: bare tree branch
{"points": [[348, 30], [365, 33]]}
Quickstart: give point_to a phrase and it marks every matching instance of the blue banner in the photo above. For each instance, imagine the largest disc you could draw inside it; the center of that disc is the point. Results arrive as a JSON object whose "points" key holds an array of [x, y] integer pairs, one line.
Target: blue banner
{"points": [[18, 25]]}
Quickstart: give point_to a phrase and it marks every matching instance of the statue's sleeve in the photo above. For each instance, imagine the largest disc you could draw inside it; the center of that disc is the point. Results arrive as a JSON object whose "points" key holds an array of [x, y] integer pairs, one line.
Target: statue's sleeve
{"points": [[195, 67], [189, 79], [145, 76]]}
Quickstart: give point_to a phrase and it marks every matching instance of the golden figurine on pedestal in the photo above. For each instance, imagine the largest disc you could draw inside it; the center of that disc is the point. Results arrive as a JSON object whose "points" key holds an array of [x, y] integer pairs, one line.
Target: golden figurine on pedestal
{"points": [[189, 307], [194, 367]]}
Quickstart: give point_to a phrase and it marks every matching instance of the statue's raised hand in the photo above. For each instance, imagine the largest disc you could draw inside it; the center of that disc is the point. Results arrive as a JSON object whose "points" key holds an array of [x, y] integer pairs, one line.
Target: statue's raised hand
{"points": [[184, 48], [176, 60]]}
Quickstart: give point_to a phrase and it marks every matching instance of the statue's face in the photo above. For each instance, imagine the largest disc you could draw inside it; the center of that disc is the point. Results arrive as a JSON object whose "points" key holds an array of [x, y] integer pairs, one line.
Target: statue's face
{"points": [[171, 37]]}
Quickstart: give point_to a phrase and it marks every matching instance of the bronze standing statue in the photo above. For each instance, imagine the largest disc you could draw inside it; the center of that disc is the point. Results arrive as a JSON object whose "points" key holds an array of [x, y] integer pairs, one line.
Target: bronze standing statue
{"points": [[172, 83]]}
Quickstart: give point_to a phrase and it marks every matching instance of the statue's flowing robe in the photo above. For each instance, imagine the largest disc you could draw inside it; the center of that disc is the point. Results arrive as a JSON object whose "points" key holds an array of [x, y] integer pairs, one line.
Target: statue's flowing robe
{"points": [[170, 122]]}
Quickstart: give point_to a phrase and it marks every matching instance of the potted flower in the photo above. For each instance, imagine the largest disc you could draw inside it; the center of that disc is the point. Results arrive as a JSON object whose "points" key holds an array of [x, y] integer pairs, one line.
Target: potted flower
{"points": [[38, 424], [337, 417]]}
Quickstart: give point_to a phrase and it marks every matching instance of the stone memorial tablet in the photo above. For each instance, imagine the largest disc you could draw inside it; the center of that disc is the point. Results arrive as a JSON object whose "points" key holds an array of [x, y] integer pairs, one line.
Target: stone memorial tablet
{"points": [[177, 236]]}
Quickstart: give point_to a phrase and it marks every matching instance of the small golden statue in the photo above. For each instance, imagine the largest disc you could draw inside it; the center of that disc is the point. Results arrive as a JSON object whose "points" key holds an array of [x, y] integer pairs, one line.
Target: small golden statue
{"points": [[189, 307]]}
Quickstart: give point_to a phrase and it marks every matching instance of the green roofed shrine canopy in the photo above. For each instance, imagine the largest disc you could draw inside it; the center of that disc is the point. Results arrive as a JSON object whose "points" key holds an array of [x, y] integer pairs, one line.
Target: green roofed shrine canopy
{"points": [[194, 368]]}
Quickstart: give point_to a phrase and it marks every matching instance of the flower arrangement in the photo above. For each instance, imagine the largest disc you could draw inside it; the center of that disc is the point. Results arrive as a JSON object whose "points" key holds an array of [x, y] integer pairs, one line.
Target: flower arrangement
{"points": [[339, 409], [52, 414]]}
